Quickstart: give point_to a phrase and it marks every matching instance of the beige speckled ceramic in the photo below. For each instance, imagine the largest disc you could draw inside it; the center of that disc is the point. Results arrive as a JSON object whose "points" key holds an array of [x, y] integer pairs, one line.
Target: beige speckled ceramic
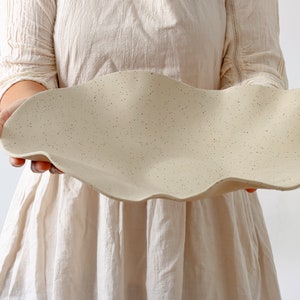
{"points": [[136, 135]]}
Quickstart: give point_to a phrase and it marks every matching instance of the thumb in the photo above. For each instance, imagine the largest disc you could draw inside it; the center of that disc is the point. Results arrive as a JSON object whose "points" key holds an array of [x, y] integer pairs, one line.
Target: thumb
{"points": [[8, 111]]}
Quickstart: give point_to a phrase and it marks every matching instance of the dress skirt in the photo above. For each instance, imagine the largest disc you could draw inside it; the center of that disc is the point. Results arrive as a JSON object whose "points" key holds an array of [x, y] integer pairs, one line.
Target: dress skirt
{"points": [[63, 240]]}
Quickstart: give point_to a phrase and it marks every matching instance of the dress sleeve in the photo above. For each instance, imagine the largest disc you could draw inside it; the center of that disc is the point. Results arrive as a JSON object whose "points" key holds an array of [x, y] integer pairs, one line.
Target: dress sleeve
{"points": [[252, 53], [26, 42]]}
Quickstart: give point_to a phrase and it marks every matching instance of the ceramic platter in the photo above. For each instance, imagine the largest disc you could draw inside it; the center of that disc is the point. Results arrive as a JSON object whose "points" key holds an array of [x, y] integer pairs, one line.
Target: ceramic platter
{"points": [[137, 135]]}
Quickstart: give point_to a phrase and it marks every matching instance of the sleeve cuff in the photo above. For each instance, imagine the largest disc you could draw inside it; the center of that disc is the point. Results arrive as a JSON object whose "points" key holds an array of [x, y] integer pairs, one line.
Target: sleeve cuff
{"points": [[264, 79]]}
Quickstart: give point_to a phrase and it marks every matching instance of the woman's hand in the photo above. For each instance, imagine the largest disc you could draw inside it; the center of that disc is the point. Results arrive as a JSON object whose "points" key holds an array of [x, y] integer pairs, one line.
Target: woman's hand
{"points": [[36, 166]]}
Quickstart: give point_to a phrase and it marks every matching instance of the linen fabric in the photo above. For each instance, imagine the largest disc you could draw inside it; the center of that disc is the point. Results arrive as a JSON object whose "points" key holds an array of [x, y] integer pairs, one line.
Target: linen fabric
{"points": [[61, 239]]}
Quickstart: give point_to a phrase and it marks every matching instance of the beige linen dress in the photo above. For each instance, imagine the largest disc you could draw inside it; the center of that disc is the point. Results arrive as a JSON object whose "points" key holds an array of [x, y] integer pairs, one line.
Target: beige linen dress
{"points": [[61, 239]]}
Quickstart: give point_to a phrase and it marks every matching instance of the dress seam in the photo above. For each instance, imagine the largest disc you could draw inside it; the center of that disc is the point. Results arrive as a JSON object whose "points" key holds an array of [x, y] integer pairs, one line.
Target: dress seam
{"points": [[236, 39]]}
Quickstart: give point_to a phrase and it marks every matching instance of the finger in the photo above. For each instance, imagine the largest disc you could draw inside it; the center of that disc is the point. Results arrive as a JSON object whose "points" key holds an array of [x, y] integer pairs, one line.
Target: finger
{"points": [[8, 111], [4, 115], [251, 190], [17, 162], [54, 170], [40, 166]]}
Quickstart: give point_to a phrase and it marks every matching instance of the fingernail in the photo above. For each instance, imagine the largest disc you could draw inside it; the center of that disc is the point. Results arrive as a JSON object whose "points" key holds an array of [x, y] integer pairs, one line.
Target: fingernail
{"points": [[54, 170], [34, 169]]}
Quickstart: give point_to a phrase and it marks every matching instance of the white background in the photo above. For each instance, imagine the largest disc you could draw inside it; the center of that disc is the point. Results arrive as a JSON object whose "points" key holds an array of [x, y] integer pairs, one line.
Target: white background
{"points": [[281, 209]]}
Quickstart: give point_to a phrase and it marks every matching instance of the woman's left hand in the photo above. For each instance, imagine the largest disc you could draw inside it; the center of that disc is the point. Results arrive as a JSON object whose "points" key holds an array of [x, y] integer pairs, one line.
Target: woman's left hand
{"points": [[36, 166]]}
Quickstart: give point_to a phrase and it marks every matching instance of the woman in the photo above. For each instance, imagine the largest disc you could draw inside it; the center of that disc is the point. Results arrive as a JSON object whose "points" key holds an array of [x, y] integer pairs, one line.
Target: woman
{"points": [[61, 239]]}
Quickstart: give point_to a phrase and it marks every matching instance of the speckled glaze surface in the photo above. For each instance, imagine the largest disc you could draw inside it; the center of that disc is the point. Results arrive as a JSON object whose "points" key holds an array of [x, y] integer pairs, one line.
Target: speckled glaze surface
{"points": [[137, 135]]}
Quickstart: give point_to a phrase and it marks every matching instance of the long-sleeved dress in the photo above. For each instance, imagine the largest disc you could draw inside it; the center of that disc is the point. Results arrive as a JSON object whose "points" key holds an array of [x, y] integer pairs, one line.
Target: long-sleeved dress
{"points": [[61, 239]]}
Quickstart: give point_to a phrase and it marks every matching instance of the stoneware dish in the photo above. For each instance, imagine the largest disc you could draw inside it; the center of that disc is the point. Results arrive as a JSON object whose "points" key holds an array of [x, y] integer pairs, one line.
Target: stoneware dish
{"points": [[137, 135]]}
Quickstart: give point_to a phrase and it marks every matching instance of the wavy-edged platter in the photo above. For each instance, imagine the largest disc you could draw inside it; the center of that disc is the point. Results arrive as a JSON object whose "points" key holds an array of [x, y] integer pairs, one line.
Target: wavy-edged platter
{"points": [[137, 135]]}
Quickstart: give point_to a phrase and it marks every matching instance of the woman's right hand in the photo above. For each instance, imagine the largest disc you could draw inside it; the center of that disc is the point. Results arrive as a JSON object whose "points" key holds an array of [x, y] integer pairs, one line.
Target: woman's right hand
{"points": [[36, 166]]}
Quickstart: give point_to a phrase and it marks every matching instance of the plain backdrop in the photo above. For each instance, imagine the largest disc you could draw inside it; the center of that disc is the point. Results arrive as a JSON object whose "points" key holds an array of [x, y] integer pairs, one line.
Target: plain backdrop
{"points": [[281, 209]]}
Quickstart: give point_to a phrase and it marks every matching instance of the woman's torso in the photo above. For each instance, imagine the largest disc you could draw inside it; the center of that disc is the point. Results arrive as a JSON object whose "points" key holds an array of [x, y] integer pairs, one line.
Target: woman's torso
{"points": [[180, 39]]}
